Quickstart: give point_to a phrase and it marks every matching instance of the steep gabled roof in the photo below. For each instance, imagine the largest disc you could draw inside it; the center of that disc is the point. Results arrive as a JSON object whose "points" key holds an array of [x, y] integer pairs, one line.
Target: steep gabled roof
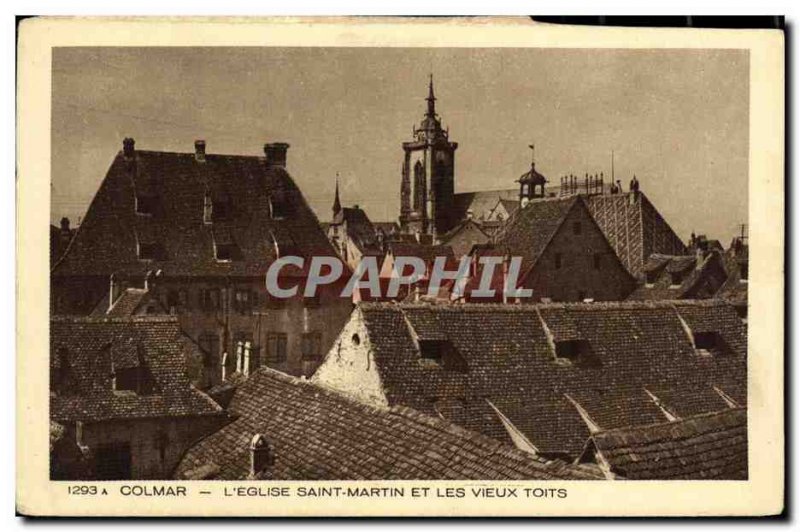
{"points": [[634, 228], [317, 434], [532, 227], [359, 228], [178, 184], [510, 354], [711, 446], [85, 352]]}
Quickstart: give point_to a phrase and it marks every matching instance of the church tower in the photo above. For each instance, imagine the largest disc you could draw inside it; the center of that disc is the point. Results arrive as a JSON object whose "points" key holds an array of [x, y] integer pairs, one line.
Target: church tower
{"points": [[428, 176]]}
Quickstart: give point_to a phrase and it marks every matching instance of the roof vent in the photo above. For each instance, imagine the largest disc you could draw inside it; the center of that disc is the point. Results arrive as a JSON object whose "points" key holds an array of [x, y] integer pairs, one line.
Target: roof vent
{"points": [[200, 151]]}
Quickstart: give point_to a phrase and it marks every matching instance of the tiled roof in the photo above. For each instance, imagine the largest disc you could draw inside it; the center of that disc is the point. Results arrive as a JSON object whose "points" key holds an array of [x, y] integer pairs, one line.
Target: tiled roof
{"points": [[480, 202], [317, 434], [359, 229], [106, 241], [704, 447], [428, 253], [634, 228], [92, 346], [532, 227], [695, 282], [735, 289], [512, 363], [127, 303]]}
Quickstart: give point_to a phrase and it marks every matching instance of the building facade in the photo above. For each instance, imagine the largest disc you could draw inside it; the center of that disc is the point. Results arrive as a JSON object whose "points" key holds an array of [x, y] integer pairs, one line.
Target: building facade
{"points": [[198, 233]]}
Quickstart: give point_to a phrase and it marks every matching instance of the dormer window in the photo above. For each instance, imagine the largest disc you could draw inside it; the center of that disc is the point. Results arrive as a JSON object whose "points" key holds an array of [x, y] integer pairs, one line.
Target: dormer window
{"points": [[675, 279], [651, 277], [146, 204], [743, 270], [576, 353], [221, 209], [709, 344], [442, 354], [225, 252]]}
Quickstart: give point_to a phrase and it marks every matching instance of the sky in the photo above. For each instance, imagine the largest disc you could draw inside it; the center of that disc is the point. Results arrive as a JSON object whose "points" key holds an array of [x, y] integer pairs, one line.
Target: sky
{"points": [[678, 119]]}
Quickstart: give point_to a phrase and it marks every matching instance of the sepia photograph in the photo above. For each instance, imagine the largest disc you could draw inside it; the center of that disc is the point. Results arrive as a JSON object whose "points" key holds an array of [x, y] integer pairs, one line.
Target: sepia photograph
{"points": [[520, 264]]}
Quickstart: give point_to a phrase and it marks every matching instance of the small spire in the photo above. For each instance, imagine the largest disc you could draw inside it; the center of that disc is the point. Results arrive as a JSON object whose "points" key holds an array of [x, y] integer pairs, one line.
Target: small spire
{"points": [[337, 205], [431, 98]]}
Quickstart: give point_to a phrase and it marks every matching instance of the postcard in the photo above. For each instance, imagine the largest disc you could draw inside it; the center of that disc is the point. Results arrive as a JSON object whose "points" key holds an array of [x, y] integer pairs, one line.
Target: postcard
{"points": [[398, 267]]}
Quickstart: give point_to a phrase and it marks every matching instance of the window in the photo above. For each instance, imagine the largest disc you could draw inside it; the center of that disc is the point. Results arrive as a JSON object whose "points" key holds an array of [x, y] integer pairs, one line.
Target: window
{"points": [[276, 347], [576, 228], [743, 271], [709, 344], [558, 261], [173, 301], [577, 353], [209, 344], [243, 301], [676, 278], [149, 251], [651, 277], [145, 204], [441, 353], [210, 299], [596, 261], [225, 252], [126, 379], [356, 339], [310, 347]]}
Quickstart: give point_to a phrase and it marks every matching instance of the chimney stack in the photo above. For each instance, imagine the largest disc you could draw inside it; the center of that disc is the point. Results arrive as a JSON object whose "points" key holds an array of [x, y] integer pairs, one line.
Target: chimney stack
{"points": [[276, 154], [260, 458], [200, 151], [128, 147]]}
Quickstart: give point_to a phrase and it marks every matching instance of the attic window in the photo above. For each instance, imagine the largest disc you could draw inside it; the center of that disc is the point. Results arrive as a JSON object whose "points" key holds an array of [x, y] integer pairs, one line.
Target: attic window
{"points": [[676, 278], [743, 270], [708, 344], [225, 252], [576, 353], [126, 379], [651, 277], [146, 204], [443, 354]]}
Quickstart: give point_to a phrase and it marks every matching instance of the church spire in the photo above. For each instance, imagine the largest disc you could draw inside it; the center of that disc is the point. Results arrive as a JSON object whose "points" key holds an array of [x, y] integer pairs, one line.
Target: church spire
{"points": [[431, 99], [337, 205]]}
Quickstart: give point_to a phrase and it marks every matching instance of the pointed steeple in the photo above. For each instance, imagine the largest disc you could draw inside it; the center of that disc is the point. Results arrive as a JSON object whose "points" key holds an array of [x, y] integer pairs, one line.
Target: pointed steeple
{"points": [[431, 99], [337, 205]]}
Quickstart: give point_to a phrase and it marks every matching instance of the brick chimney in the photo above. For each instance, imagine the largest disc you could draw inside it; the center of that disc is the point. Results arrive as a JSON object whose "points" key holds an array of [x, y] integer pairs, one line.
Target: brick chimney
{"points": [[128, 147], [276, 154], [200, 151]]}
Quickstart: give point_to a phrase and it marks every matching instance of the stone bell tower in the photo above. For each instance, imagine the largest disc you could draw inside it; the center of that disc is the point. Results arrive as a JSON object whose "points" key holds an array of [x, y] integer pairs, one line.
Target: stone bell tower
{"points": [[428, 176]]}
